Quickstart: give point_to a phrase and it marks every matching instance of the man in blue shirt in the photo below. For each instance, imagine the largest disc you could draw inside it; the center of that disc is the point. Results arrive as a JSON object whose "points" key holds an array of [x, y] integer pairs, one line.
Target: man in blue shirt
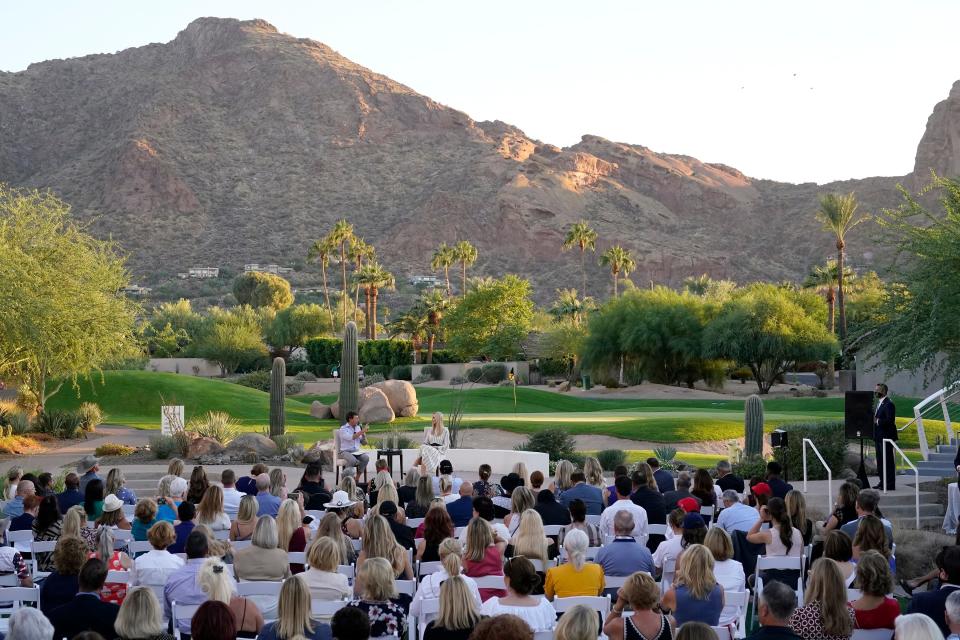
{"points": [[591, 496], [88, 466], [736, 516], [461, 509], [14, 508], [867, 502], [269, 503], [348, 441], [185, 512], [624, 556], [182, 585], [71, 495]]}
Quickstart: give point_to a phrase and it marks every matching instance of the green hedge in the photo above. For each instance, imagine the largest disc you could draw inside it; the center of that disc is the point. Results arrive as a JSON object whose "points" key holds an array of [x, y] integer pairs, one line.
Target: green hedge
{"points": [[432, 370], [554, 367], [386, 353], [829, 438], [401, 372], [493, 373], [444, 356], [324, 350], [375, 370]]}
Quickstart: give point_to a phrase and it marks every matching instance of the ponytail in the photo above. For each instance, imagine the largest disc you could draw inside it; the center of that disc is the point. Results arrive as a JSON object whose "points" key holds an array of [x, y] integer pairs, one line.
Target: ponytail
{"points": [[450, 551], [778, 512]]}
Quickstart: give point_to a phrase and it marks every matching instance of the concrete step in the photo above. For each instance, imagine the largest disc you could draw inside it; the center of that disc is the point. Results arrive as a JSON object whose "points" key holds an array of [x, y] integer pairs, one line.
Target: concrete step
{"points": [[897, 499], [926, 522], [940, 469], [947, 457], [947, 448], [907, 511]]}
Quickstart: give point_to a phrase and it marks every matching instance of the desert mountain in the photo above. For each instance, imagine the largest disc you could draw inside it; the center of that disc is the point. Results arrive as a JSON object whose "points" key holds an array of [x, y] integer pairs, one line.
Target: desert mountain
{"points": [[234, 143]]}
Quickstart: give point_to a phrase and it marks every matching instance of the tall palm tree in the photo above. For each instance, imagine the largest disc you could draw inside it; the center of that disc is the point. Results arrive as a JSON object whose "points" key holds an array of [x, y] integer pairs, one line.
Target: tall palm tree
{"points": [[432, 305], [357, 252], [340, 237], [411, 324], [569, 306], [838, 215], [581, 235], [321, 251], [444, 258], [824, 278], [621, 263], [373, 277], [466, 254]]}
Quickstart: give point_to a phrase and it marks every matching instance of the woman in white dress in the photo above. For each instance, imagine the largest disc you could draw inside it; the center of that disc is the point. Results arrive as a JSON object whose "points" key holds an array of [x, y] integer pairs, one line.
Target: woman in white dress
{"points": [[436, 442]]}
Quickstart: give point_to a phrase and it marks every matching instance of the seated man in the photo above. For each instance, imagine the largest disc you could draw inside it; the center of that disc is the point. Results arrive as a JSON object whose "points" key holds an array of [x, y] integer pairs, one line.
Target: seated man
{"points": [[24, 521], [777, 604], [248, 484], [269, 503], [592, 496], [671, 498], [461, 509], [866, 505], [551, 511], [14, 508], [86, 612], [779, 488], [622, 488], [483, 508], [624, 555], [934, 603], [182, 586], [348, 440], [231, 495], [726, 479], [71, 495], [736, 516], [663, 477]]}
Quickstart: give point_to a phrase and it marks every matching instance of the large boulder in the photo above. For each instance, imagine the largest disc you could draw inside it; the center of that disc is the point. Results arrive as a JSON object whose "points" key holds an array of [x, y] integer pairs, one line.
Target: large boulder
{"points": [[203, 447], [402, 397], [320, 411], [321, 452], [374, 407], [252, 443]]}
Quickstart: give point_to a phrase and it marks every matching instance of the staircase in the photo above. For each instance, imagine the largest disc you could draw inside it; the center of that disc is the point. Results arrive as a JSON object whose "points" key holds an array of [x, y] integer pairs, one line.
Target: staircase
{"points": [[902, 508], [940, 462]]}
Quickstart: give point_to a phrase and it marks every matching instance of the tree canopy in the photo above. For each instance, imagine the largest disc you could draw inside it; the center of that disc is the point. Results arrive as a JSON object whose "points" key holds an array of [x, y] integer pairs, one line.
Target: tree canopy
{"points": [[492, 319], [293, 326], [259, 289]]}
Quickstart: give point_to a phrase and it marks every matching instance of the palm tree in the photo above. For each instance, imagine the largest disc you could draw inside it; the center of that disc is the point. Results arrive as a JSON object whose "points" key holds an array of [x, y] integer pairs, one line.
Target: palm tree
{"points": [[320, 251], [466, 254], [412, 324], [824, 278], [373, 277], [582, 236], [340, 236], [620, 261], [358, 251], [444, 258], [569, 306], [432, 305], [838, 214]]}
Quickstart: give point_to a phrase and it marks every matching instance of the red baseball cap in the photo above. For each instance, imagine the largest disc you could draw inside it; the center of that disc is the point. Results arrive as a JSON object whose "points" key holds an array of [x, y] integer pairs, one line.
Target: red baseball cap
{"points": [[761, 488], [689, 505]]}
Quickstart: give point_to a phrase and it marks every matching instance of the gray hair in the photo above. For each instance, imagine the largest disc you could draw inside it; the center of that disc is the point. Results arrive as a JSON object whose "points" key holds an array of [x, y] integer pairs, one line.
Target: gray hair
{"points": [[683, 480], [178, 487], [623, 523], [868, 499], [723, 465], [953, 607], [780, 599], [265, 533], [575, 543], [410, 480], [29, 624], [911, 626], [731, 496], [263, 482]]}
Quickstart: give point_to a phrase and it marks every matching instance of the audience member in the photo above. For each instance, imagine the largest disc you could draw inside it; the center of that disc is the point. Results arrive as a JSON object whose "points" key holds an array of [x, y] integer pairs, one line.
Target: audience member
{"points": [[536, 481], [408, 490], [88, 466], [269, 503], [845, 508], [760, 493], [593, 477], [115, 560], [342, 505], [430, 586], [502, 627], [213, 621], [668, 550], [140, 617], [578, 623], [186, 512], [871, 536], [86, 611], [563, 479], [916, 626], [695, 595], [482, 487], [291, 532], [578, 522], [111, 514], [350, 623], [481, 555], [459, 611], [576, 576], [321, 577], [551, 511], [591, 495], [63, 583], [29, 624], [182, 585], [210, 510], [483, 508], [422, 498], [75, 524], [726, 479], [521, 500], [530, 541], [403, 534], [198, 485], [116, 484], [378, 597], [839, 547], [263, 560], [623, 487], [144, 517], [378, 542], [71, 495], [461, 509], [694, 530], [797, 508], [30, 506], [781, 539], [175, 467], [696, 631], [728, 572], [14, 507], [952, 615], [866, 505], [520, 579], [647, 495], [776, 605], [446, 470], [933, 603], [703, 488], [825, 612], [446, 490], [623, 555], [874, 609], [778, 487], [330, 528], [641, 595], [231, 496], [736, 516], [248, 484], [610, 493], [49, 506], [241, 528], [278, 483], [167, 501], [214, 579], [437, 527], [664, 478], [671, 498], [311, 487], [155, 566], [14, 474]]}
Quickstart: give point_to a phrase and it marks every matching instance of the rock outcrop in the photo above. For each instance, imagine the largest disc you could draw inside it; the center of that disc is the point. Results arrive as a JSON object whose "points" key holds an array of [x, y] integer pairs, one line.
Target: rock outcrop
{"points": [[374, 407], [402, 397]]}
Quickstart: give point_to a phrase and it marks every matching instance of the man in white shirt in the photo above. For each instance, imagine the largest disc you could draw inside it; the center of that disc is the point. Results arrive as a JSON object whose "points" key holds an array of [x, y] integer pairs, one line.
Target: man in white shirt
{"points": [[155, 566], [736, 516], [231, 497], [349, 436], [623, 487]]}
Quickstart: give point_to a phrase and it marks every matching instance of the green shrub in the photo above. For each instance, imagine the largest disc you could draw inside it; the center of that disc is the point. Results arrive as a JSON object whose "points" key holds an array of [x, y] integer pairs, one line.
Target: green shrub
{"points": [[60, 423], [556, 443], [255, 379], [386, 353], [420, 379], [750, 467], [493, 373], [554, 367], [372, 379], [164, 447], [458, 380], [306, 376], [444, 356], [610, 459], [432, 370], [611, 383], [742, 374], [293, 387], [324, 350], [284, 441], [91, 416], [401, 372], [474, 374], [381, 370], [218, 425], [18, 424], [830, 440], [113, 449]]}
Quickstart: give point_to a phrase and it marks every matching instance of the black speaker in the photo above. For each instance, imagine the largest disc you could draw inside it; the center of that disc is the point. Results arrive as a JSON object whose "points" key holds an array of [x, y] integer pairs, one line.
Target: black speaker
{"points": [[858, 414], [778, 439]]}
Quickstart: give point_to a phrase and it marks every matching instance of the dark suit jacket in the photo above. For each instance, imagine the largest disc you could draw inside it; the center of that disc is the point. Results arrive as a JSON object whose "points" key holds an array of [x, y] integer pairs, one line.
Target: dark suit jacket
{"points": [[671, 498], [779, 488], [86, 612], [665, 480], [933, 604], [731, 481], [69, 498], [885, 425], [773, 633], [461, 510], [653, 502], [552, 512]]}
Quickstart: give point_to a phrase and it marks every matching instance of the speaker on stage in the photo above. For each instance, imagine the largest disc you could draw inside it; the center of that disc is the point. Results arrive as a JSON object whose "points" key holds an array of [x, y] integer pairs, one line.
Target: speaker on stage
{"points": [[858, 414]]}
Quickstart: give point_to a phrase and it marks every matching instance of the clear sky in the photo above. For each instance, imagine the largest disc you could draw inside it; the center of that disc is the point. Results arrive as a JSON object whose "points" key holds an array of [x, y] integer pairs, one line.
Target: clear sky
{"points": [[796, 91]]}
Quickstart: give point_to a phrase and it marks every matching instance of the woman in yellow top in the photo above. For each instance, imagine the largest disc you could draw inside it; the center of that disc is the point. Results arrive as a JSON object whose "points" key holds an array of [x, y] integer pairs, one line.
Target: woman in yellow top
{"points": [[575, 577]]}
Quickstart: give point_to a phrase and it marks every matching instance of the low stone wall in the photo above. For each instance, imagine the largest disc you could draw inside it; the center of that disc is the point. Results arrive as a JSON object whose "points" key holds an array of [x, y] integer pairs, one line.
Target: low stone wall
{"points": [[448, 371]]}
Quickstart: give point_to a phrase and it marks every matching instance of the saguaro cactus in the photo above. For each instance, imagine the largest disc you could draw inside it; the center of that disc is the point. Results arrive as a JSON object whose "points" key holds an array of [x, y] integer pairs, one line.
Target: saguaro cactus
{"points": [[349, 372], [753, 426], [278, 391]]}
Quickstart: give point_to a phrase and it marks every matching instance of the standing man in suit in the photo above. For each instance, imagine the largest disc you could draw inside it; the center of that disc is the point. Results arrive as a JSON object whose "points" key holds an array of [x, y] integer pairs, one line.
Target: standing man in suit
{"points": [[885, 426]]}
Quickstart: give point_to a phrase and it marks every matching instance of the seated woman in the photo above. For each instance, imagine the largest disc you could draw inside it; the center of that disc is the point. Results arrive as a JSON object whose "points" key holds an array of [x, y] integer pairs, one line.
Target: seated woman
{"points": [[321, 576], [871, 536], [481, 556], [115, 560], [116, 484], [874, 609], [459, 611], [695, 595], [422, 499], [210, 509], [379, 599], [641, 595], [155, 566], [578, 521], [330, 528], [530, 541], [703, 488], [575, 577], [825, 614], [520, 579], [144, 517], [845, 508], [62, 584], [797, 508], [344, 507], [47, 527], [263, 560], [242, 528], [838, 547], [436, 443], [431, 585], [140, 617], [521, 499], [437, 527], [291, 532], [727, 571], [379, 542], [111, 514], [294, 620], [213, 580]]}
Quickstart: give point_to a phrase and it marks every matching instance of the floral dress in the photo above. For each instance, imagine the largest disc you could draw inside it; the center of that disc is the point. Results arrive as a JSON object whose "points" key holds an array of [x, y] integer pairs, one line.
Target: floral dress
{"points": [[386, 618], [113, 592], [434, 448]]}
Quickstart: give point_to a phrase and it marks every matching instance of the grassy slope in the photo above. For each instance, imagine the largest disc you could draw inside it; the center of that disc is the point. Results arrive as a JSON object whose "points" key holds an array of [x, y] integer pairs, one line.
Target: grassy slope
{"points": [[134, 397]]}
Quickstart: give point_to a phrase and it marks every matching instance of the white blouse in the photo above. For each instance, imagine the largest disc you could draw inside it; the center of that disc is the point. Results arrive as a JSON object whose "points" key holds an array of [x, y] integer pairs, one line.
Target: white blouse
{"points": [[542, 617]]}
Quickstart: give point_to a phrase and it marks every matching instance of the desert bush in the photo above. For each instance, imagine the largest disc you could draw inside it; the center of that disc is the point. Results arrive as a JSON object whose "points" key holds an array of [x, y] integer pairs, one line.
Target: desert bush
{"points": [[163, 447], [401, 372], [432, 370], [829, 438], [255, 380], [306, 376], [284, 441], [474, 374], [293, 387], [113, 449], [493, 373], [420, 379], [666, 455], [376, 370], [218, 425], [26, 401], [556, 443], [610, 459], [60, 423], [611, 383], [371, 379], [750, 467], [458, 380], [91, 416], [18, 424]]}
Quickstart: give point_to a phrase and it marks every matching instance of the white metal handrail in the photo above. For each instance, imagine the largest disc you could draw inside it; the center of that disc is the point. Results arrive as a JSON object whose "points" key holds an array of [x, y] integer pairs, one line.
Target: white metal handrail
{"points": [[807, 441], [940, 397], [887, 460]]}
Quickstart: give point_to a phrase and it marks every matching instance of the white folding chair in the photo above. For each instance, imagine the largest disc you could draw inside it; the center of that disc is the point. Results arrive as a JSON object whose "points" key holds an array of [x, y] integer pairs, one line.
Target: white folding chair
{"points": [[135, 547], [657, 529], [708, 512], [666, 578], [539, 565], [591, 553], [17, 597], [458, 531], [297, 557], [326, 608], [782, 563], [872, 634], [426, 568], [408, 587], [544, 635], [122, 534], [129, 511], [594, 520], [413, 523], [20, 540], [181, 612], [121, 577], [221, 534], [597, 603], [740, 600], [357, 544], [347, 570], [615, 582], [46, 546], [552, 529], [316, 515], [489, 582], [853, 594], [240, 544], [723, 633], [259, 588]]}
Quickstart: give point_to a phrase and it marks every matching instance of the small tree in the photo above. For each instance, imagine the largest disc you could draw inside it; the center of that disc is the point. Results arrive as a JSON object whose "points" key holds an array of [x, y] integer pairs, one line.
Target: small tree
{"points": [[293, 326], [259, 289], [233, 339], [492, 319]]}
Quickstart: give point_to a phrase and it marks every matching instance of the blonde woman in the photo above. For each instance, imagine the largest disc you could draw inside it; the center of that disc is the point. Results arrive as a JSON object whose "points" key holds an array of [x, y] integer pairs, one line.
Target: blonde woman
{"points": [[388, 492], [140, 617], [112, 514], [562, 478], [348, 484], [321, 576], [263, 561], [431, 586], [155, 566], [578, 623], [210, 510], [481, 556], [728, 572], [175, 468], [695, 595], [593, 473], [422, 497], [520, 468], [797, 508], [379, 542], [530, 541], [278, 483], [825, 614], [576, 577], [521, 499], [641, 594], [75, 524], [330, 527], [291, 531], [215, 581], [459, 611], [446, 490], [436, 443], [379, 599], [294, 619], [242, 528], [116, 485]]}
